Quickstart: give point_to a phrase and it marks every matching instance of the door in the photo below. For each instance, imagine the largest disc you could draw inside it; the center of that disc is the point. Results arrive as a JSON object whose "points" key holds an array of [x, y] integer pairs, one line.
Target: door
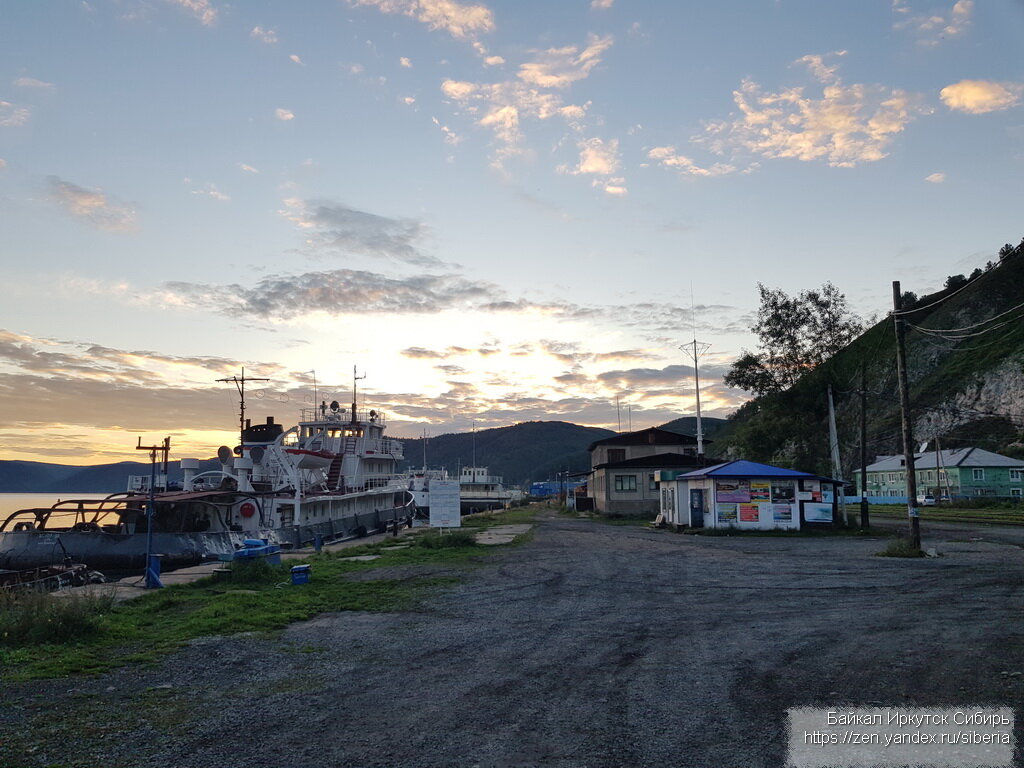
{"points": [[697, 507]]}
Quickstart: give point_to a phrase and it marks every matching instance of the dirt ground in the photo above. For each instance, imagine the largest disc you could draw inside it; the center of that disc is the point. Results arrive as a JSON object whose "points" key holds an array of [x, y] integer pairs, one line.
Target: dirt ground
{"points": [[592, 645]]}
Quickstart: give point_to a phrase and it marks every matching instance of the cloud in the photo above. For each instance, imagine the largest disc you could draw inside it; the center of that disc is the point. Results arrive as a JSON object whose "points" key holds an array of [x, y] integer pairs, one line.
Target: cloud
{"points": [[92, 205], [295, 58], [936, 178], [847, 125], [934, 27], [11, 115], [668, 157], [264, 35], [31, 82], [335, 227], [247, 168], [597, 157], [284, 114], [493, 61], [334, 293], [601, 3], [561, 67], [3, 163], [977, 97], [201, 9], [461, 21], [404, 61], [210, 190]]}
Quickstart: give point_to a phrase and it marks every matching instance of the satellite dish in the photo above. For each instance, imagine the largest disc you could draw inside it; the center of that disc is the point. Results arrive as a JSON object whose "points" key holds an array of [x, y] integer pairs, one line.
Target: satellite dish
{"points": [[256, 454], [334, 406], [224, 454]]}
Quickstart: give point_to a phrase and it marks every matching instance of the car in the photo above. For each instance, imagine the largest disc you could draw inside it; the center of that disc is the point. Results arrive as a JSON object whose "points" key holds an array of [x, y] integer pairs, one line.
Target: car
{"points": [[926, 501]]}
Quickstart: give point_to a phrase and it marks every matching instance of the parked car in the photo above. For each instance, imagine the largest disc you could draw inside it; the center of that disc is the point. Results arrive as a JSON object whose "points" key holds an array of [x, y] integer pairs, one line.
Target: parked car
{"points": [[926, 501]]}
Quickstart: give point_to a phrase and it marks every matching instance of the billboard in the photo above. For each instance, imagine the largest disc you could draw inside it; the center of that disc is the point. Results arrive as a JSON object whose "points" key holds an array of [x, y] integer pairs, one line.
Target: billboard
{"points": [[444, 504]]}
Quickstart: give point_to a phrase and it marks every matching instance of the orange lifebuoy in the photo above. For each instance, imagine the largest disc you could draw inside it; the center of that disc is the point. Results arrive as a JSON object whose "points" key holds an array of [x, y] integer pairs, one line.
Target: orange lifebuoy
{"points": [[248, 509]]}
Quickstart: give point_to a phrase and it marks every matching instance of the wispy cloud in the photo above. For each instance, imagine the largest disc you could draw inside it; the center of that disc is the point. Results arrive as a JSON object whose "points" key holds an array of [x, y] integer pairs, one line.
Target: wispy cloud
{"points": [[295, 58], [460, 20], [92, 206], [601, 159], [284, 114], [247, 168], [264, 35], [935, 178], [210, 190], [934, 26], [670, 158], [31, 82], [332, 227], [845, 126], [601, 3], [201, 9], [561, 67], [977, 97], [405, 62], [11, 115]]}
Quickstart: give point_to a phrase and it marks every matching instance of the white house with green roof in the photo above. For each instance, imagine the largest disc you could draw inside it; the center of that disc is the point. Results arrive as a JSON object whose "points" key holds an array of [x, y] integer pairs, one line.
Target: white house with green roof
{"points": [[960, 472]]}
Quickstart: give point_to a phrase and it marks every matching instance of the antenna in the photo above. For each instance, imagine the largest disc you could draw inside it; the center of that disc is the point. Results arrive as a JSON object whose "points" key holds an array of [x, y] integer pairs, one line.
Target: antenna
{"points": [[474, 446], [695, 350], [618, 415], [354, 380], [425, 437], [152, 577], [240, 386], [629, 416]]}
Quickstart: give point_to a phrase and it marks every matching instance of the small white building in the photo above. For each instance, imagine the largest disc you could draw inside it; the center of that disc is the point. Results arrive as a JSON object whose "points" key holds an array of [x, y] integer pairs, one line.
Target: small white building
{"points": [[746, 495]]}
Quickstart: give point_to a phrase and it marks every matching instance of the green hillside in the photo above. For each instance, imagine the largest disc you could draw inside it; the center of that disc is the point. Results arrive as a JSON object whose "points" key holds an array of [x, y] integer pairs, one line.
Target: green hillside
{"points": [[965, 391]]}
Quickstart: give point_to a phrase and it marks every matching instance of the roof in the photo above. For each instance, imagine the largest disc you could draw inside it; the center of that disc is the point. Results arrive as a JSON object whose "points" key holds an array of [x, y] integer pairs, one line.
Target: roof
{"points": [[655, 461], [956, 457], [746, 469], [649, 436]]}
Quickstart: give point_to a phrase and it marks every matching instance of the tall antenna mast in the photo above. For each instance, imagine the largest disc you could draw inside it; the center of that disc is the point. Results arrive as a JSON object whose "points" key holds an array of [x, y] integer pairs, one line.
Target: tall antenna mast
{"points": [[239, 383], [474, 447], [354, 380], [425, 449], [694, 350], [618, 415]]}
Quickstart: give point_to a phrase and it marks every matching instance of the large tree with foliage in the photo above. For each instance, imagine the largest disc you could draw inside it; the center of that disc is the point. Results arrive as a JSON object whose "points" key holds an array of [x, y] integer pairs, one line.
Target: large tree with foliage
{"points": [[796, 333]]}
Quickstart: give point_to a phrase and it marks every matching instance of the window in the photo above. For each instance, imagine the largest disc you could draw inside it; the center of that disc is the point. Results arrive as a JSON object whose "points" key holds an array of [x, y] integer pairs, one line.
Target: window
{"points": [[616, 454], [979, 474], [1015, 492], [652, 484], [1015, 475], [625, 482]]}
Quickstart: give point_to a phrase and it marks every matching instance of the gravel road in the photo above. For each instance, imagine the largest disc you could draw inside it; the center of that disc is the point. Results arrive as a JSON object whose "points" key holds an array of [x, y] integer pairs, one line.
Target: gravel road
{"points": [[592, 645]]}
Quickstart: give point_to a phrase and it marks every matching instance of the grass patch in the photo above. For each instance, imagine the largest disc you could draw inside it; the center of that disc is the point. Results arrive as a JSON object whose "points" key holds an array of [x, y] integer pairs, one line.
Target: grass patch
{"points": [[512, 516], [900, 547], [942, 514], [28, 617], [452, 539], [851, 530], [258, 597]]}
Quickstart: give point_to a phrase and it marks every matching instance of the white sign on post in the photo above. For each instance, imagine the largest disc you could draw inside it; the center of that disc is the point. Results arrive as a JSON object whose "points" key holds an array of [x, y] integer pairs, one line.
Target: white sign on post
{"points": [[444, 504]]}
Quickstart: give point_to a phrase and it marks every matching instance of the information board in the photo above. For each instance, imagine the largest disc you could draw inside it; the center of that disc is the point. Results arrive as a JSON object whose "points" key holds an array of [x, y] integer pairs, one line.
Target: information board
{"points": [[817, 513], [444, 504]]}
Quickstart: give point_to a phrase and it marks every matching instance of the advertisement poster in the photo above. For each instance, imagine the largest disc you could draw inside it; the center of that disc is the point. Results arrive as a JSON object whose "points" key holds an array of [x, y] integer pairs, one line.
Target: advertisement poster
{"points": [[815, 488], [818, 513], [783, 492], [782, 513], [727, 513], [732, 490], [760, 490], [749, 513], [444, 504]]}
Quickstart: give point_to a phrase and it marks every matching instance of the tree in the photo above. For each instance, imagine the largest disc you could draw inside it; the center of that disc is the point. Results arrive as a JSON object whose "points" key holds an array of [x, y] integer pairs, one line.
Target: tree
{"points": [[796, 333]]}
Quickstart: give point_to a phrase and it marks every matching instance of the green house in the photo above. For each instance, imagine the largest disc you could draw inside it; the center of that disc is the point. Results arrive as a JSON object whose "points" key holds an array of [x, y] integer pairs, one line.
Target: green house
{"points": [[956, 473]]}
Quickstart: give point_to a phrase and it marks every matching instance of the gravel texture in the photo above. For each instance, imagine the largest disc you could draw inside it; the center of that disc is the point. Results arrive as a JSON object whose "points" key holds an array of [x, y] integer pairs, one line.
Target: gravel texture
{"points": [[591, 645]]}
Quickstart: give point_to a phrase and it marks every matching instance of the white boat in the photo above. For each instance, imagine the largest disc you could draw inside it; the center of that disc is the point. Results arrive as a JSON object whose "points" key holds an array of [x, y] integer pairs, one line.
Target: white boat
{"points": [[418, 484], [480, 491], [332, 476]]}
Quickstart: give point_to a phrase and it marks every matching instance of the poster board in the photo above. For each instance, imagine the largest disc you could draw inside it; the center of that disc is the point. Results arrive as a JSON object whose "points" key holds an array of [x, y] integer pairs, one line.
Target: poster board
{"points": [[727, 513], [444, 504], [750, 513], [815, 512], [732, 491]]}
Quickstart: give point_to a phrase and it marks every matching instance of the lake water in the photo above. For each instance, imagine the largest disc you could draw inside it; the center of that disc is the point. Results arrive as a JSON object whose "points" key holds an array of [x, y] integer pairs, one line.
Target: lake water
{"points": [[12, 502]]}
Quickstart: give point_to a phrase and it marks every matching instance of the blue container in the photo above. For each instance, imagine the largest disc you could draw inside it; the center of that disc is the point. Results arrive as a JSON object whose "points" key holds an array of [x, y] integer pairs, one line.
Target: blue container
{"points": [[301, 573]]}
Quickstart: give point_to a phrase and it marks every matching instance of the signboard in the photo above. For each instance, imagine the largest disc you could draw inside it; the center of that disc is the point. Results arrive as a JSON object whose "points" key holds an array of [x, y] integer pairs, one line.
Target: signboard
{"points": [[732, 490], [783, 491], [727, 513], [760, 490], [444, 504], [749, 513], [782, 513], [818, 513]]}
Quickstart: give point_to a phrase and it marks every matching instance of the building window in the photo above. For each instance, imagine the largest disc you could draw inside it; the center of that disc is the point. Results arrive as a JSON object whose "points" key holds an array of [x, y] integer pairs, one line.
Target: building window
{"points": [[1015, 475], [616, 454], [652, 484], [1015, 492], [979, 474], [625, 482]]}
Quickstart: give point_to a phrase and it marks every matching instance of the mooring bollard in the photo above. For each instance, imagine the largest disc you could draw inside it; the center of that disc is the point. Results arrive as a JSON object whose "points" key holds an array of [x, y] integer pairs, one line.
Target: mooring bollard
{"points": [[318, 542]]}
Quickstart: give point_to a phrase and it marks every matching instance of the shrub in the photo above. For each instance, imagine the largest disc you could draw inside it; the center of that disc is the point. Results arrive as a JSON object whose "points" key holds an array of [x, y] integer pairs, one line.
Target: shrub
{"points": [[28, 617], [255, 571], [900, 547], [452, 538]]}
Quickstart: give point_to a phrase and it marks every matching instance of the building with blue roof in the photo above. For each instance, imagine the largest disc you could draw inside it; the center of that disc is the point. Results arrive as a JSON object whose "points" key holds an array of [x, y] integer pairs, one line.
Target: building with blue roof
{"points": [[746, 495]]}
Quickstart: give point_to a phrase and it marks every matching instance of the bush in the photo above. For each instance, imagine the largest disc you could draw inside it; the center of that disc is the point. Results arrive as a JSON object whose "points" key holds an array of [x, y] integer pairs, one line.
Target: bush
{"points": [[900, 547], [28, 617], [256, 571], [449, 539]]}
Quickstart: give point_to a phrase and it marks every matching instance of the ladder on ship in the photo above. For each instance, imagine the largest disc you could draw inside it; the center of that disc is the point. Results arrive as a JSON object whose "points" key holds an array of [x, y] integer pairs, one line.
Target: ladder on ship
{"points": [[334, 473]]}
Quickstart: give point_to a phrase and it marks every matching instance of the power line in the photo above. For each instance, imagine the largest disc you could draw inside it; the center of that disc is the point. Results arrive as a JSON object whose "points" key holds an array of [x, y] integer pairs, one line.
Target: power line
{"points": [[968, 327]]}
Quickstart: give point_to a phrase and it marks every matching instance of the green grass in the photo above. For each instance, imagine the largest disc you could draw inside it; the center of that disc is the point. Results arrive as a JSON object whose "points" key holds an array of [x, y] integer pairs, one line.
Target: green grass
{"points": [[851, 530], [943, 514], [256, 598], [900, 547]]}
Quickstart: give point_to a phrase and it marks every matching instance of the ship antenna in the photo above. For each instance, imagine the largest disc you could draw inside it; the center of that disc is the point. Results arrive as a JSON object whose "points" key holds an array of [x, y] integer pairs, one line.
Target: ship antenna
{"points": [[239, 383], [354, 380]]}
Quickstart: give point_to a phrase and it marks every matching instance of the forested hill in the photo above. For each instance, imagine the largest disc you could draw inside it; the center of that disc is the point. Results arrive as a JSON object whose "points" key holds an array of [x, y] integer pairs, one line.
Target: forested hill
{"points": [[533, 450], [965, 364]]}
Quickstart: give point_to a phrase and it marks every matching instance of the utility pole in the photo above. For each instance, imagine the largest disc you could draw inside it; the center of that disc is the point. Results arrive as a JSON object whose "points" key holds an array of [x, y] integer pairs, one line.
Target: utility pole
{"points": [[152, 563], [695, 349], [908, 441], [837, 469], [864, 522], [240, 386]]}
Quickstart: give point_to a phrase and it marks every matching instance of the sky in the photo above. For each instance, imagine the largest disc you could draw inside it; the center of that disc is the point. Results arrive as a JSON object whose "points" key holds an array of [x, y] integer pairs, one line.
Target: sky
{"points": [[499, 212]]}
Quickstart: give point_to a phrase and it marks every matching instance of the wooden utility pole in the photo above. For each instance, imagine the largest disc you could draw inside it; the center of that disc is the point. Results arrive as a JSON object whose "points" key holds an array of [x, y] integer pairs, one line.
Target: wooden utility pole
{"points": [[864, 522], [239, 383], [908, 440]]}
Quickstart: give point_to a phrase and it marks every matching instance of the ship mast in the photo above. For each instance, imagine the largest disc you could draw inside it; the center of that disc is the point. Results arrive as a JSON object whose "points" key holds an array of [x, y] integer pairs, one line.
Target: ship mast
{"points": [[354, 380], [239, 383]]}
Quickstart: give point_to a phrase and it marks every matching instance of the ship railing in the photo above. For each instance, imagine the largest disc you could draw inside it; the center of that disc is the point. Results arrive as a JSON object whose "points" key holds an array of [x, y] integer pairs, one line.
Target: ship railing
{"points": [[276, 470], [342, 415], [66, 515], [381, 446], [367, 482], [486, 494], [481, 480]]}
